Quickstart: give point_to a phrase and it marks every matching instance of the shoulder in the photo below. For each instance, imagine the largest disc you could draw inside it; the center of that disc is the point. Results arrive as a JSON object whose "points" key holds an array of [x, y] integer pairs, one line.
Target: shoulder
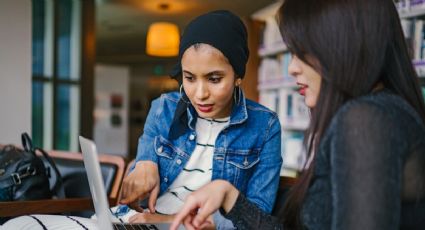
{"points": [[255, 107], [363, 110], [377, 110], [362, 107], [381, 105], [171, 97], [166, 102], [261, 113]]}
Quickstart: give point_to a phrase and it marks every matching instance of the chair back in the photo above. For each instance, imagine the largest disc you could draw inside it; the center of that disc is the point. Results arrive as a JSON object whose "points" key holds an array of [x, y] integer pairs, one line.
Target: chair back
{"points": [[285, 185], [74, 177]]}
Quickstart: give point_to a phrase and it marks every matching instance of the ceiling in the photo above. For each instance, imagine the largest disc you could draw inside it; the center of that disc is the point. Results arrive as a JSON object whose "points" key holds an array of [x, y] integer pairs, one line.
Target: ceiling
{"points": [[121, 25]]}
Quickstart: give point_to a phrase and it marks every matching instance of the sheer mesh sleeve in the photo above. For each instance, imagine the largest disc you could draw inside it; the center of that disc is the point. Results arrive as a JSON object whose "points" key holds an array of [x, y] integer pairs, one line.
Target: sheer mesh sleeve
{"points": [[246, 215], [366, 168], [374, 150]]}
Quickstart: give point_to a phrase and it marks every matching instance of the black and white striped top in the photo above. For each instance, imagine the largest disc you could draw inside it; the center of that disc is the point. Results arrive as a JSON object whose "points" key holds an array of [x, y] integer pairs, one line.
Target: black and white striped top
{"points": [[198, 170]]}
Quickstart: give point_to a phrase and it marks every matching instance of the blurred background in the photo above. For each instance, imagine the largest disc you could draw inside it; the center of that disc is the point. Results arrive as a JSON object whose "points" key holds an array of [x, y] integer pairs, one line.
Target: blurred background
{"points": [[84, 67], [92, 68]]}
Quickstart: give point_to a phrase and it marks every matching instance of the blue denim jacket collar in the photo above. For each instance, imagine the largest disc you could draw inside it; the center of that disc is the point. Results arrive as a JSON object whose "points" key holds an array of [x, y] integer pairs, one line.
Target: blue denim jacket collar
{"points": [[239, 113]]}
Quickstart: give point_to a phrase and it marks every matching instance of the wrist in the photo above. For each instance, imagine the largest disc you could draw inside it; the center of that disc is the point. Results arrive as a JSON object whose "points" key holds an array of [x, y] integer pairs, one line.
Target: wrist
{"points": [[230, 196], [147, 167], [147, 163]]}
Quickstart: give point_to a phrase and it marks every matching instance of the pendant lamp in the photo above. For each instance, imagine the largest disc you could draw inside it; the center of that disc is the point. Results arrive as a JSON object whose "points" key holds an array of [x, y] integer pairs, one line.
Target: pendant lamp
{"points": [[163, 39]]}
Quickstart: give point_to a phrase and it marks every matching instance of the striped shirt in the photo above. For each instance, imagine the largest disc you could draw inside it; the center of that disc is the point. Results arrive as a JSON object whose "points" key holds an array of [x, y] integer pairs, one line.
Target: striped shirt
{"points": [[198, 170]]}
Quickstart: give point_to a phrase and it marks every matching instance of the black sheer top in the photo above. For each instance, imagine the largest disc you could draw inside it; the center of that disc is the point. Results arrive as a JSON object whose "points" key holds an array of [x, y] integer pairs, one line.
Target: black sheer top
{"points": [[369, 171]]}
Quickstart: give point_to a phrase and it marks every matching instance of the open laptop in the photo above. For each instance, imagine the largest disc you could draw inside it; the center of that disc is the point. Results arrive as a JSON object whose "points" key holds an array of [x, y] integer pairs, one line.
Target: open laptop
{"points": [[105, 219]]}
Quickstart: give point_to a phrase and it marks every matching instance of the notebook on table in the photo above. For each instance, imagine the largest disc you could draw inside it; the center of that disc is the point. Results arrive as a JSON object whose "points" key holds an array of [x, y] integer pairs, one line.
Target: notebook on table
{"points": [[105, 219]]}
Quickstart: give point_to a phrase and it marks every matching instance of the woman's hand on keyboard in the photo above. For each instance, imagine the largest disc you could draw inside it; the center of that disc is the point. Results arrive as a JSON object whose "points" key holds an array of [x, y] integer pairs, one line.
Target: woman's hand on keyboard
{"points": [[202, 203], [142, 182], [147, 217]]}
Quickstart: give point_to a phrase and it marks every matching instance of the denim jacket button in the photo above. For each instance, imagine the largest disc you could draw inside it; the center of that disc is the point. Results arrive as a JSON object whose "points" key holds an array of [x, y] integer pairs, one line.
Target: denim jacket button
{"points": [[178, 161], [160, 149], [165, 179], [246, 163], [192, 137]]}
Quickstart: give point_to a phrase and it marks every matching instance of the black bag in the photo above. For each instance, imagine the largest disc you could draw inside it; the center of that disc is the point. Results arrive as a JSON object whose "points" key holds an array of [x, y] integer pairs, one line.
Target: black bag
{"points": [[23, 175]]}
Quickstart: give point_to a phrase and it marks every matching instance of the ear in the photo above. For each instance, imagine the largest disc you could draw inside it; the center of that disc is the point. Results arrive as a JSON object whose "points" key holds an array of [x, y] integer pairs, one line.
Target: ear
{"points": [[238, 81]]}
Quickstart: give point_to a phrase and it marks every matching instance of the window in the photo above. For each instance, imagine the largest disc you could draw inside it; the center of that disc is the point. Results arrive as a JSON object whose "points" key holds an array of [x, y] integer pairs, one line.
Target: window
{"points": [[56, 73]]}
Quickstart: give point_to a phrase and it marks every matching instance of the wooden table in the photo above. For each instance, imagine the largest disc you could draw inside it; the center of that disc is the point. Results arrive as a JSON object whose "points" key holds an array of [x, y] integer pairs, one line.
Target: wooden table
{"points": [[18, 208]]}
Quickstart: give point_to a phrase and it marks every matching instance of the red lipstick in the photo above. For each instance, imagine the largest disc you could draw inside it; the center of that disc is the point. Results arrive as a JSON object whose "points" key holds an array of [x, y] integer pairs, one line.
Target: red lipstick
{"points": [[205, 108], [302, 89]]}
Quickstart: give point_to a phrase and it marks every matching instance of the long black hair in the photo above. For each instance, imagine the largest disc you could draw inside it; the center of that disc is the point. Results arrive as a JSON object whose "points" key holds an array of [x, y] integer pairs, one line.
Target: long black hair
{"points": [[358, 44]]}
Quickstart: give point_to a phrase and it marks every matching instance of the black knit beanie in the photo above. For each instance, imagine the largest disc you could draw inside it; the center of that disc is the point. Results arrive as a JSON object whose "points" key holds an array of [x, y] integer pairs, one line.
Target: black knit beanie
{"points": [[224, 31]]}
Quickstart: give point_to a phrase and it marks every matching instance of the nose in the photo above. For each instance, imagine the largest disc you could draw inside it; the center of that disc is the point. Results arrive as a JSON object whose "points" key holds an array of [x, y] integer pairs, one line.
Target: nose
{"points": [[202, 92], [294, 67]]}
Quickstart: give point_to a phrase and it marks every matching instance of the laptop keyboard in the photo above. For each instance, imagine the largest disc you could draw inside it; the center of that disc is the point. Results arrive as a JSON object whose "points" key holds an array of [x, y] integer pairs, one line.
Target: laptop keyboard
{"points": [[120, 226]]}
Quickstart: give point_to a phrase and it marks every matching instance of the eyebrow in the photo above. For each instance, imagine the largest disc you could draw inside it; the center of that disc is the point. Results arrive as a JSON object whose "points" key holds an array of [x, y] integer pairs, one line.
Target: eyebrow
{"points": [[212, 73]]}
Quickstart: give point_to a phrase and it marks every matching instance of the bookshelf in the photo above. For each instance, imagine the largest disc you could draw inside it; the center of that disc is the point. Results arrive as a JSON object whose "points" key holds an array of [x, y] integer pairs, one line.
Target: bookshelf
{"points": [[278, 47], [412, 13], [278, 90], [412, 17], [410, 8]]}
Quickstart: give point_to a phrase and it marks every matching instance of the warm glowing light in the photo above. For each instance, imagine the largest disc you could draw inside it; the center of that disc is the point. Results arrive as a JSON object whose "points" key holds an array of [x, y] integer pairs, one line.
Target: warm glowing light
{"points": [[163, 39]]}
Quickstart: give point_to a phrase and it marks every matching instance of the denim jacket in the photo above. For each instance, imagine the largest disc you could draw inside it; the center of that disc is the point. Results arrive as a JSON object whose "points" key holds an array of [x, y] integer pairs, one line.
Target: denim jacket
{"points": [[247, 152]]}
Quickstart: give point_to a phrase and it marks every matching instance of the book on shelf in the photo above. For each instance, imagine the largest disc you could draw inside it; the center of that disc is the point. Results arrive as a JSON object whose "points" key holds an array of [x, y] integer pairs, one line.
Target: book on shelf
{"points": [[270, 99], [301, 111], [289, 106], [402, 5], [406, 6], [407, 27], [285, 60], [284, 172], [269, 70], [273, 72], [415, 4], [414, 32], [418, 40], [293, 114], [272, 49], [271, 40], [293, 151], [419, 67], [414, 35]]}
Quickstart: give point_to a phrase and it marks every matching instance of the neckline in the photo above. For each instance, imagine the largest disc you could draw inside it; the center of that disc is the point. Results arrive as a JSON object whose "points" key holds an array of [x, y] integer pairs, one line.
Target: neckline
{"points": [[218, 120]]}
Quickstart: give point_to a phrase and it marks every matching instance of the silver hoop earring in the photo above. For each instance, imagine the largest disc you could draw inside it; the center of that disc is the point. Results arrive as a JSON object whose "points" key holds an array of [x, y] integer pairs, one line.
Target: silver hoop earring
{"points": [[182, 95], [240, 94], [237, 95]]}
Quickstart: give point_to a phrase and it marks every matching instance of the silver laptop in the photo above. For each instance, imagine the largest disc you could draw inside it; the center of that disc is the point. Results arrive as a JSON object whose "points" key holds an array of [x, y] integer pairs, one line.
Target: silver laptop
{"points": [[105, 219]]}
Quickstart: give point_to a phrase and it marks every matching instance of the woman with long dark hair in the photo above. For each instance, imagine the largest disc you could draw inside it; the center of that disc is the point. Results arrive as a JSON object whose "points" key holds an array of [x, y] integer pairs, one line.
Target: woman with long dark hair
{"points": [[366, 140]]}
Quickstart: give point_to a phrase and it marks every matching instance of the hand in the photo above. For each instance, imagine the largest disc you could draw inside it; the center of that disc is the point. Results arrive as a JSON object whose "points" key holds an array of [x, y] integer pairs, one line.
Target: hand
{"points": [[143, 181], [147, 217], [204, 202]]}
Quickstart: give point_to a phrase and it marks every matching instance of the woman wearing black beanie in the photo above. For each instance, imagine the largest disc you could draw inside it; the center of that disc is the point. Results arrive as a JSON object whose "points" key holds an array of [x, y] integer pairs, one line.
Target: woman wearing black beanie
{"points": [[208, 130]]}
